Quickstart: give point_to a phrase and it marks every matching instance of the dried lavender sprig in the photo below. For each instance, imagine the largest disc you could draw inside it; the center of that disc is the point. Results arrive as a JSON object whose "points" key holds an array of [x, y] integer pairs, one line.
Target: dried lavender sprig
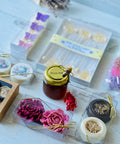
{"points": [[61, 3], [48, 4], [56, 4]]}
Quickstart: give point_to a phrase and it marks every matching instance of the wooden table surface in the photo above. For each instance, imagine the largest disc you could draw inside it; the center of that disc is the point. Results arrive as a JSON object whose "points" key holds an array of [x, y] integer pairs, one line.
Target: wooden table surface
{"points": [[14, 16]]}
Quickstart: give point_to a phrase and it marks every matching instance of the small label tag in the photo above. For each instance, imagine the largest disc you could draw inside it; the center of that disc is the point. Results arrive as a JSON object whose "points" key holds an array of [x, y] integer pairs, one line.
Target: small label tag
{"points": [[78, 48]]}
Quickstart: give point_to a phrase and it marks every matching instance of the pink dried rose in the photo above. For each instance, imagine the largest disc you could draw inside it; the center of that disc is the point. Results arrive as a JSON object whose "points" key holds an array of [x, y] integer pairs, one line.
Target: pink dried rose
{"points": [[31, 110], [70, 101], [55, 117], [115, 71]]}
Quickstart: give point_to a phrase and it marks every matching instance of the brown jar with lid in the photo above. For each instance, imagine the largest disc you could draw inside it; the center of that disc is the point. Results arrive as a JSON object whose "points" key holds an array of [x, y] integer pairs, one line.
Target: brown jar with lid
{"points": [[55, 82]]}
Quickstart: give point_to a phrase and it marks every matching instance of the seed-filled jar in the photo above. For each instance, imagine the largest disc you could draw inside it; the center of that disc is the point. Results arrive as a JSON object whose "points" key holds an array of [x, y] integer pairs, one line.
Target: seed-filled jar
{"points": [[55, 82]]}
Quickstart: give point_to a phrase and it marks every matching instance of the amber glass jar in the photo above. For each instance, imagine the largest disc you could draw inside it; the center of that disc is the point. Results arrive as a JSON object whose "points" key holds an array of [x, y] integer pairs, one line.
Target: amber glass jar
{"points": [[55, 84]]}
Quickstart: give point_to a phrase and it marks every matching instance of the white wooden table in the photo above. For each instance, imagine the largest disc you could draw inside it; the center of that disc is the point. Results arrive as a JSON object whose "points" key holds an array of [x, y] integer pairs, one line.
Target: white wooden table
{"points": [[14, 15], [107, 6]]}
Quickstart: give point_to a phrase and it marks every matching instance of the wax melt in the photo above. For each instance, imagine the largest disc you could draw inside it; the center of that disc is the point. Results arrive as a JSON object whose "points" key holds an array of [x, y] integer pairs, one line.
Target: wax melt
{"points": [[51, 62], [99, 108], [21, 72], [92, 129], [85, 75], [3, 92], [37, 26], [8, 91], [100, 38], [5, 66]]}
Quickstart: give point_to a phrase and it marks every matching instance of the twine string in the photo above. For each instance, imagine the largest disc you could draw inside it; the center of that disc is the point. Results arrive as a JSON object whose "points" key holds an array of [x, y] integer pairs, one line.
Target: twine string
{"points": [[88, 139], [8, 75], [55, 126], [7, 55], [86, 134], [113, 111]]}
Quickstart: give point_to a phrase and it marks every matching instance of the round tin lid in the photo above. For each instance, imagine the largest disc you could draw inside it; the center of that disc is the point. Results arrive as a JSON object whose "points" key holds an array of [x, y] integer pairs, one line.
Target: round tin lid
{"points": [[54, 75]]}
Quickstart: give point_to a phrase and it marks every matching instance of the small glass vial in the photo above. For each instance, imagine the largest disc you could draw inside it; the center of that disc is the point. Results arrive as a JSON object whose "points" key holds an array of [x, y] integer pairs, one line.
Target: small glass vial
{"points": [[55, 81]]}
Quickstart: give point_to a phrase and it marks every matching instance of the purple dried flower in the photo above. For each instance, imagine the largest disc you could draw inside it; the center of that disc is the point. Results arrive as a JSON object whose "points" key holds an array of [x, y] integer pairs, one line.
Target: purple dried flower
{"points": [[29, 36], [42, 17], [114, 82], [35, 26]]}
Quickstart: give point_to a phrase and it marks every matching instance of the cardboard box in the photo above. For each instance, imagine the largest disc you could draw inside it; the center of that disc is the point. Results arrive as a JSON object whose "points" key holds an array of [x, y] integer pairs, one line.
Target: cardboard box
{"points": [[11, 95]]}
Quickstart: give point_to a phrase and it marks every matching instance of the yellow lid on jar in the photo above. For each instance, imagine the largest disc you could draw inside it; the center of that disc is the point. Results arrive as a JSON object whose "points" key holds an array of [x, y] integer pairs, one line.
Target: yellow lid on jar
{"points": [[54, 75]]}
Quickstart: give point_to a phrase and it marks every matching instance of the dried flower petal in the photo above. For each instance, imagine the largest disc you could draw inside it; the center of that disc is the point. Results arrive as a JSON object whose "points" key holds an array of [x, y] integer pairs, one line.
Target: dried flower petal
{"points": [[70, 102]]}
